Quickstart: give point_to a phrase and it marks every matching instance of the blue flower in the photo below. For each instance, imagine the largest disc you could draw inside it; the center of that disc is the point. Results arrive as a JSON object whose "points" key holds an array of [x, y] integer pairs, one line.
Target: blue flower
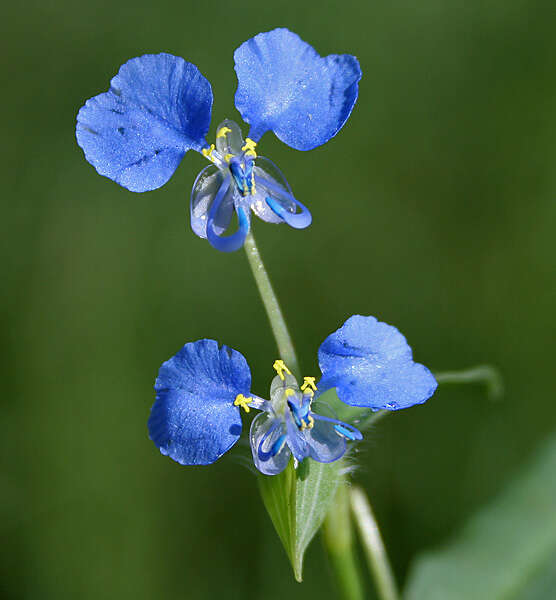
{"points": [[159, 106], [201, 390]]}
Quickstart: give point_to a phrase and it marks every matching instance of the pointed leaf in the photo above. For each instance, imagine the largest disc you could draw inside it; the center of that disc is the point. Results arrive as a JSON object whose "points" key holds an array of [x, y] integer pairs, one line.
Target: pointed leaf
{"points": [[297, 501]]}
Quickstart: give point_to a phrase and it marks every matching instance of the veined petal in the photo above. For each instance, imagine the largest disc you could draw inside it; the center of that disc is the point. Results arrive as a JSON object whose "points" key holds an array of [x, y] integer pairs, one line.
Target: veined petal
{"points": [[371, 365], [157, 108], [194, 420], [284, 86], [268, 444]]}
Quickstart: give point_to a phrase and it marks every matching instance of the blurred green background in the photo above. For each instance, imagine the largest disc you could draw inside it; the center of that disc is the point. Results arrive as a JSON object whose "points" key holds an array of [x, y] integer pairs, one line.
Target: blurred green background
{"points": [[434, 210]]}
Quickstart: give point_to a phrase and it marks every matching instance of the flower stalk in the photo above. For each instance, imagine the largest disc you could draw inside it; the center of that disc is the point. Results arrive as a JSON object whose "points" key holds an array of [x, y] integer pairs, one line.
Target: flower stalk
{"points": [[339, 543], [373, 545], [272, 306]]}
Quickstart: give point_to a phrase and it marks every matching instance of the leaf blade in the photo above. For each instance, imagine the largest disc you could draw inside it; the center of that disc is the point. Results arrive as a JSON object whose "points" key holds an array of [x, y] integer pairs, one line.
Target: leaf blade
{"points": [[297, 501], [499, 552]]}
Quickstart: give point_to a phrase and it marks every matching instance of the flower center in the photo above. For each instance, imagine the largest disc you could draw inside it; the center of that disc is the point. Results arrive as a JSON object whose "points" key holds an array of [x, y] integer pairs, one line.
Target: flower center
{"points": [[233, 154], [243, 174], [286, 394]]}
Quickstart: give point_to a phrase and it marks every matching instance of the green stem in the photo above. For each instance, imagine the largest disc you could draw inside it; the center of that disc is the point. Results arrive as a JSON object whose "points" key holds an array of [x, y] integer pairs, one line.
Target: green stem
{"points": [[338, 540], [486, 374], [373, 545], [272, 307], [338, 535]]}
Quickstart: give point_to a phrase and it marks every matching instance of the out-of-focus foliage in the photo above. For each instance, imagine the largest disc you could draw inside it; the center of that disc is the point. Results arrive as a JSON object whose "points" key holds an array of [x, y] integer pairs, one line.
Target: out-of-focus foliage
{"points": [[506, 550], [434, 210]]}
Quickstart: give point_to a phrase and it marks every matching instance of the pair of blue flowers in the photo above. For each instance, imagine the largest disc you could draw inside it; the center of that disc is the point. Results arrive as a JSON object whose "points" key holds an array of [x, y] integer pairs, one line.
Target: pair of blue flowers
{"points": [[158, 108], [201, 390]]}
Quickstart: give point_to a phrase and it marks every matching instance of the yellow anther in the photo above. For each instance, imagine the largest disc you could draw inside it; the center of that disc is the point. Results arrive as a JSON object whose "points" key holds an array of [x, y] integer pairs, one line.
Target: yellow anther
{"points": [[228, 157], [223, 131], [309, 382], [244, 402], [253, 190], [207, 152], [289, 392], [249, 147], [280, 367], [308, 424]]}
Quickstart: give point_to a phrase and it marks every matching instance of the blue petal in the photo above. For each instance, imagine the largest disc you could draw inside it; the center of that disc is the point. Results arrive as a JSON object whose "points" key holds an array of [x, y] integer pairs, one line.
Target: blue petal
{"points": [[157, 108], [286, 87], [194, 420], [271, 453], [371, 365]]}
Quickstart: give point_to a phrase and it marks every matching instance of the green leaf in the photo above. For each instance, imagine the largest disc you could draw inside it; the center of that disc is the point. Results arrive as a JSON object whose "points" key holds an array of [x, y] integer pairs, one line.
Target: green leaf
{"points": [[506, 551], [297, 501], [542, 584]]}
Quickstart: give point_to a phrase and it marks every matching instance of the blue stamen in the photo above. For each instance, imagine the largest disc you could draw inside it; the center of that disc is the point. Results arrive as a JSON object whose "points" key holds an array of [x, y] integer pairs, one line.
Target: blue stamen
{"points": [[341, 428], [248, 170], [232, 242], [295, 220], [344, 432], [295, 412], [278, 445], [263, 455], [306, 403], [238, 175]]}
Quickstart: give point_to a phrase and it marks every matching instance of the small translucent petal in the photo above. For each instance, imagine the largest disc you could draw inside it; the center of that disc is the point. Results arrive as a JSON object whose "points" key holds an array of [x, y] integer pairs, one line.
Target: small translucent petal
{"points": [[267, 174], [286, 87], [157, 108], [229, 139], [205, 188], [278, 385], [271, 453], [296, 439], [324, 443], [371, 365], [194, 420]]}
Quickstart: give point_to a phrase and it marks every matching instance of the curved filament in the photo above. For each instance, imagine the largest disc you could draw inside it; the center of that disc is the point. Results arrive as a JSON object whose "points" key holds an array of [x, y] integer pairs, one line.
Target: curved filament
{"points": [[232, 242], [299, 220]]}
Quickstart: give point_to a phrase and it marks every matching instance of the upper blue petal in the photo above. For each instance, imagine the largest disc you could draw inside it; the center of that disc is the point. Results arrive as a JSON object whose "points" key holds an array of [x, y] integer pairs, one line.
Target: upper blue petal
{"points": [[194, 420], [286, 87], [371, 365], [157, 108]]}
